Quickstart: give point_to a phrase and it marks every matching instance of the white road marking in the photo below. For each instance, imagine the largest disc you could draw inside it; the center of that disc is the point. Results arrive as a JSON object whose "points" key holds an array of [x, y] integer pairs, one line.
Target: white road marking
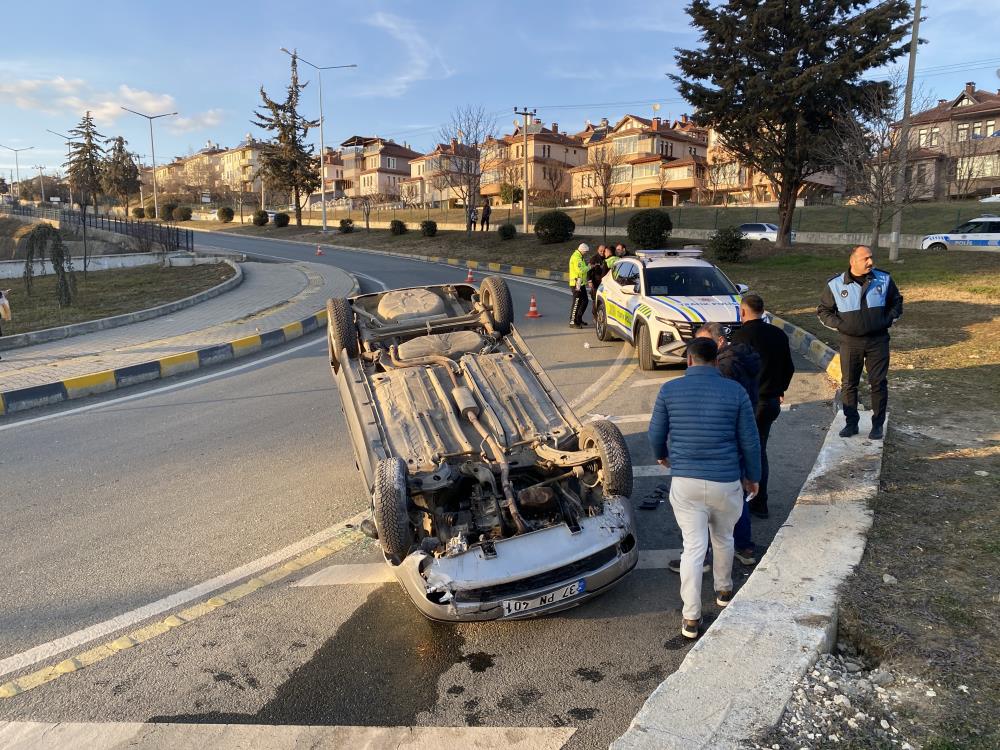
{"points": [[653, 381], [598, 385], [162, 389], [80, 637], [621, 419], [349, 574], [37, 735], [653, 470], [378, 282]]}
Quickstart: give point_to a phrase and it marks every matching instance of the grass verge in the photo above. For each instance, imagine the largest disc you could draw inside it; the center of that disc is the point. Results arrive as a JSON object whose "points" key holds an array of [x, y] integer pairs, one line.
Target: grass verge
{"points": [[106, 293]]}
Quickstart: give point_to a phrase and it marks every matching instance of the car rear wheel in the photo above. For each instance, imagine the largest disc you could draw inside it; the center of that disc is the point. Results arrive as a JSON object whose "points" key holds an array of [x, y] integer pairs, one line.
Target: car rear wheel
{"points": [[389, 507], [938, 247], [601, 319], [615, 458], [495, 295], [340, 330], [645, 348]]}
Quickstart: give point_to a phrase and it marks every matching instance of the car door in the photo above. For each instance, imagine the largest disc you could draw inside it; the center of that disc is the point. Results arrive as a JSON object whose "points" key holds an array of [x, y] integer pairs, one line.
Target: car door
{"points": [[618, 303]]}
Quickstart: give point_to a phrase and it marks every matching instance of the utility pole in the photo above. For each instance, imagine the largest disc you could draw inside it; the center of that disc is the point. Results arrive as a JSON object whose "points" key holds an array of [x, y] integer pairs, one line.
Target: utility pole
{"points": [[904, 139], [17, 165], [526, 113], [41, 181], [69, 156], [152, 151]]}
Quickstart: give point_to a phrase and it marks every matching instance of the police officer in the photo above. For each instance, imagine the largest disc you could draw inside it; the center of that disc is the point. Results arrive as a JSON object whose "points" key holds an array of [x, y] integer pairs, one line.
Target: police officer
{"points": [[578, 268], [861, 305]]}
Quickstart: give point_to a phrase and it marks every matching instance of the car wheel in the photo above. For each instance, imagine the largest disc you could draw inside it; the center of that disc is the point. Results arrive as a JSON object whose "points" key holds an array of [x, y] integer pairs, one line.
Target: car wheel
{"points": [[495, 295], [938, 247], [340, 330], [645, 348], [601, 320], [389, 507], [615, 458], [763, 239]]}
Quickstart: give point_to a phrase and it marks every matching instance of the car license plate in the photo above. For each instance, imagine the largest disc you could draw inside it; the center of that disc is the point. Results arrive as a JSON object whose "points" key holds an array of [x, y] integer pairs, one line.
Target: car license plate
{"points": [[520, 606]]}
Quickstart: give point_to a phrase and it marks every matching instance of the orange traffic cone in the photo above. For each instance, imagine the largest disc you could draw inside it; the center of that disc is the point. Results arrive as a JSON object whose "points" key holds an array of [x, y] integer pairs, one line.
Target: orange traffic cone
{"points": [[319, 250], [469, 279], [533, 309]]}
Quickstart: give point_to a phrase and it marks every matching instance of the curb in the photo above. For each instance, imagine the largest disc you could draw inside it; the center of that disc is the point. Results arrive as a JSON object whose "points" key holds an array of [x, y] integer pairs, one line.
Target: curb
{"points": [[20, 340], [738, 678], [109, 380]]}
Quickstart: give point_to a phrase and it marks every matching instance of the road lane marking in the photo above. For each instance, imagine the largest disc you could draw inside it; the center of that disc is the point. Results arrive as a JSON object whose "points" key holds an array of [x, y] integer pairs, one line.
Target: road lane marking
{"points": [[161, 389], [654, 381], [86, 635], [377, 282], [621, 418], [37, 735]]}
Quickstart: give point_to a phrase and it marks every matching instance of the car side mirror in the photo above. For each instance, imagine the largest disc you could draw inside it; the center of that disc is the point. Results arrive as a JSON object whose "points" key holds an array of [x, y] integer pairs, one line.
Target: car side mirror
{"points": [[743, 288], [629, 288]]}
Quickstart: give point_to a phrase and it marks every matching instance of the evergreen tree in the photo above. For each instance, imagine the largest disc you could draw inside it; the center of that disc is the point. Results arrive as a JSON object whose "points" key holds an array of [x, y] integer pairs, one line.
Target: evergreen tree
{"points": [[84, 168], [120, 176], [286, 161], [771, 74]]}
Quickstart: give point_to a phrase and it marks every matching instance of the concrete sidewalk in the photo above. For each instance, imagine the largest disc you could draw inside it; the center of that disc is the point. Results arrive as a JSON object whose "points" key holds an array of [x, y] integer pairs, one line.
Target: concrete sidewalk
{"points": [[271, 296]]}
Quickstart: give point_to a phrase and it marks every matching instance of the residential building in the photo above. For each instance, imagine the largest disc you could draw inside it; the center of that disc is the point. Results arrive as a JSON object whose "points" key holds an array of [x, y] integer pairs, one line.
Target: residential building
{"points": [[442, 177], [238, 166], [551, 156], [374, 166]]}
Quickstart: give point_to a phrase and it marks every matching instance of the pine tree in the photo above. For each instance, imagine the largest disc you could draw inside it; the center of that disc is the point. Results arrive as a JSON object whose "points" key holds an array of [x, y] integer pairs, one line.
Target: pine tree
{"points": [[86, 162], [120, 176], [771, 74], [286, 161]]}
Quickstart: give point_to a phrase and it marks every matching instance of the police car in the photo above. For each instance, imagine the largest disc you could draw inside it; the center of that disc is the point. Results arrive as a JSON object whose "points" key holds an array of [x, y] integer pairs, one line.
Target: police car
{"points": [[981, 232], [659, 299]]}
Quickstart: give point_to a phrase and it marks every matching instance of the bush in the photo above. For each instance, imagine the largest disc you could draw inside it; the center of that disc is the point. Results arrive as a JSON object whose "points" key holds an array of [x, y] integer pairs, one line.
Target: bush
{"points": [[650, 228], [346, 226], [182, 213], [138, 212], [167, 209], [259, 218], [729, 245], [428, 228], [554, 226], [398, 227], [510, 193], [224, 214], [281, 220], [507, 231]]}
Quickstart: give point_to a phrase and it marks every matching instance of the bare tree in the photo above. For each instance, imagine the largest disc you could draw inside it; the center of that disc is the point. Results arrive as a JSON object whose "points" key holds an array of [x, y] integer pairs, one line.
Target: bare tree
{"points": [[464, 135], [410, 194], [601, 176]]}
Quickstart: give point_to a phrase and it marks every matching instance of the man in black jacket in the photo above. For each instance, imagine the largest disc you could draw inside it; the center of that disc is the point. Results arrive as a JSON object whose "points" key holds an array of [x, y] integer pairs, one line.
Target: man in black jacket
{"points": [[861, 304], [776, 371]]}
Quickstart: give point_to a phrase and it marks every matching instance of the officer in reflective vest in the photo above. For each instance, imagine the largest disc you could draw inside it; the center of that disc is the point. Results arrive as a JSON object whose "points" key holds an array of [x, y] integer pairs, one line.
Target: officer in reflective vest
{"points": [[578, 268], [861, 305]]}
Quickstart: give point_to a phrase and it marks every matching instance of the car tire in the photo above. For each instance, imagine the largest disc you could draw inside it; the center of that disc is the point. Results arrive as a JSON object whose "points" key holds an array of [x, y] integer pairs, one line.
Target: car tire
{"points": [[389, 509], [601, 323], [340, 330], [495, 295], [645, 348], [615, 458], [938, 247]]}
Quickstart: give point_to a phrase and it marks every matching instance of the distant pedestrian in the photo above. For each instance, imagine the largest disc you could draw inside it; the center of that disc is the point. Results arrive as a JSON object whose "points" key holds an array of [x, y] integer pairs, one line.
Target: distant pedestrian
{"points": [[578, 283], [861, 304], [740, 363], [484, 225], [776, 371], [473, 217], [702, 428], [5, 313]]}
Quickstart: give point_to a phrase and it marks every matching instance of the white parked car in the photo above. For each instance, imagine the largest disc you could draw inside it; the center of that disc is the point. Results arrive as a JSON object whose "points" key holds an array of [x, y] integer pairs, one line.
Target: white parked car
{"points": [[983, 231], [659, 299], [990, 199], [761, 231]]}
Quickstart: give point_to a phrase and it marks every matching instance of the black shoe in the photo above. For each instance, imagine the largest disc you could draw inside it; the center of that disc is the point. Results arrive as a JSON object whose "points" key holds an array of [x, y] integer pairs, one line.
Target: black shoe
{"points": [[849, 430], [722, 598], [674, 566], [877, 432], [584, 325], [691, 628]]}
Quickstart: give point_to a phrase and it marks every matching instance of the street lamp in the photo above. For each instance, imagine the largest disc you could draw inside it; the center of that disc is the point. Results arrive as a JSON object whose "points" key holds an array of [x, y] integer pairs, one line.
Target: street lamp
{"points": [[152, 150], [17, 167], [41, 181], [322, 143], [69, 156]]}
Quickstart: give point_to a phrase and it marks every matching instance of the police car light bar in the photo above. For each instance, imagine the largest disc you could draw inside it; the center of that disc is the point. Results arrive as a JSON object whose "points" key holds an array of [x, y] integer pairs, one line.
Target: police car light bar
{"points": [[688, 251]]}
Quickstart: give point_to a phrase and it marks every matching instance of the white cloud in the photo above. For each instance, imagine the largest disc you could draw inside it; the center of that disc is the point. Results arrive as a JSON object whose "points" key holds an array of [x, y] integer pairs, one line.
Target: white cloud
{"points": [[422, 61], [74, 96], [208, 119]]}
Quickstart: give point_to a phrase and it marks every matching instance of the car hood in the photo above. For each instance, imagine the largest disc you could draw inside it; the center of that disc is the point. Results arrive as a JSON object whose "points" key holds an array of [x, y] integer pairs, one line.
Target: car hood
{"points": [[720, 308]]}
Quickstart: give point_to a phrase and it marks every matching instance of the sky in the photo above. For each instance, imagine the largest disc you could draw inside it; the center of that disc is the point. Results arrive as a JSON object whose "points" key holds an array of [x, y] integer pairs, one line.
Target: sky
{"points": [[417, 61]]}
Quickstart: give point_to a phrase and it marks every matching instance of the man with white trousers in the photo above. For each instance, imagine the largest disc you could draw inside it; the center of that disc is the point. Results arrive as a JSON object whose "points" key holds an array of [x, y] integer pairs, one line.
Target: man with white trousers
{"points": [[703, 429]]}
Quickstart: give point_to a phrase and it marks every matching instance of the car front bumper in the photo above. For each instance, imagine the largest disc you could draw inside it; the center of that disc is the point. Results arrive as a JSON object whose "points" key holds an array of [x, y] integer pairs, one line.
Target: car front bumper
{"points": [[472, 586]]}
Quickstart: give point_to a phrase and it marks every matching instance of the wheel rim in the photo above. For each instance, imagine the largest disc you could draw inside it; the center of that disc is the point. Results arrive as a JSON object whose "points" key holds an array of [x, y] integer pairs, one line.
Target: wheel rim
{"points": [[602, 322]]}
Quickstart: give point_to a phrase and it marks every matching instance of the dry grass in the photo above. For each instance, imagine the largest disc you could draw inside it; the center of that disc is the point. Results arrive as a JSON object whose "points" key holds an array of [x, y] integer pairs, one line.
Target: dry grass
{"points": [[106, 293]]}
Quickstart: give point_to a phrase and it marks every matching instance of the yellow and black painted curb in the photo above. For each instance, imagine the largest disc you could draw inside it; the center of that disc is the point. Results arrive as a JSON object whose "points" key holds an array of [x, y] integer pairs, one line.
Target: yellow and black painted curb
{"points": [[811, 348]]}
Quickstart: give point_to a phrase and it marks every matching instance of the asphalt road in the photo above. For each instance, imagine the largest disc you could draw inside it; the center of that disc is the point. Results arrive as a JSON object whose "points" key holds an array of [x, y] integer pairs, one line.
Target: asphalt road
{"points": [[162, 488]]}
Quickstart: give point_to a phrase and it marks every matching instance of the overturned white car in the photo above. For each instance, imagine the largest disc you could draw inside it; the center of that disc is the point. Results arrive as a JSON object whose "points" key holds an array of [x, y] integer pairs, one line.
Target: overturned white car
{"points": [[489, 498]]}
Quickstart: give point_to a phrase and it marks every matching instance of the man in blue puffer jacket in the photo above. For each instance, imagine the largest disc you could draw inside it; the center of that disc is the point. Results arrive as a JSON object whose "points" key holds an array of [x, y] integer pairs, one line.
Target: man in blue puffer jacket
{"points": [[703, 429]]}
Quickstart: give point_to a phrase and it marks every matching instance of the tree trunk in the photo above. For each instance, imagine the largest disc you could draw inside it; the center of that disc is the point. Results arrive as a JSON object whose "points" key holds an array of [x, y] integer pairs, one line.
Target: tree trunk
{"points": [[786, 209], [298, 207], [83, 210], [876, 226], [605, 220]]}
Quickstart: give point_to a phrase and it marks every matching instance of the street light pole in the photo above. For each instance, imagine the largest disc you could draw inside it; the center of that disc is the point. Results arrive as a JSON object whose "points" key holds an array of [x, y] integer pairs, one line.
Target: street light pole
{"points": [[17, 166], [152, 151], [41, 181], [69, 156], [904, 140], [524, 198], [322, 142]]}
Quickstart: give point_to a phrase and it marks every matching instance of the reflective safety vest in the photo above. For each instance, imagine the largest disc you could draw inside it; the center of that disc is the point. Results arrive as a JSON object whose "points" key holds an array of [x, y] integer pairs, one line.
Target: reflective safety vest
{"points": [[577, 269]]}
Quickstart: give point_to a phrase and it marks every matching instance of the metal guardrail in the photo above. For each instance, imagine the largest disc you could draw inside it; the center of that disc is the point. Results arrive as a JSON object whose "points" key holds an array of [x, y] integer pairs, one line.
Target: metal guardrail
{"points": [[167, 237]]}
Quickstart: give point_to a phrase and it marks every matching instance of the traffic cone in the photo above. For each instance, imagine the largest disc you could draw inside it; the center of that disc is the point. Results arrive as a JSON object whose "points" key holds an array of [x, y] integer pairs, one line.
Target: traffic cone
{"points": [[533, 309], [319, 250], [468, 278]]}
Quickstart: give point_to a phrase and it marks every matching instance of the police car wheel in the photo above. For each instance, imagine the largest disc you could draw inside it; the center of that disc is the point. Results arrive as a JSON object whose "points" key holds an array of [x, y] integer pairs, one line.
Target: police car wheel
{"points": [[645, 348], [938, 247], [601, 319]]}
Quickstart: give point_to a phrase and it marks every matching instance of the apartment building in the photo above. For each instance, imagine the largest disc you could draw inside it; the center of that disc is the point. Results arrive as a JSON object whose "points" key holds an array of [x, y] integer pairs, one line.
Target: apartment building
{"points": [[954, 147], [442, 176], [551, 153], [374, 166], [238, 166]]}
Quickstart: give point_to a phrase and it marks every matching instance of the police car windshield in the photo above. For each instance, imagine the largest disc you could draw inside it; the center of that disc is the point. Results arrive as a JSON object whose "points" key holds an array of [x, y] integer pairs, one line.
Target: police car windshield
{"points": [[690, 281]]}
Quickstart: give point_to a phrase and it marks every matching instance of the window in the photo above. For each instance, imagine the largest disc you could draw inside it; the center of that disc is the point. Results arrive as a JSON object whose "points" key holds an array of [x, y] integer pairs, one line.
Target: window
{"points": [[922, 137], [626, 272], [390, 162], [991, 128], [546, 152], [977, 129], [935, 137], [921, 173], [696, 281], [628, 145], [962, 133]]}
